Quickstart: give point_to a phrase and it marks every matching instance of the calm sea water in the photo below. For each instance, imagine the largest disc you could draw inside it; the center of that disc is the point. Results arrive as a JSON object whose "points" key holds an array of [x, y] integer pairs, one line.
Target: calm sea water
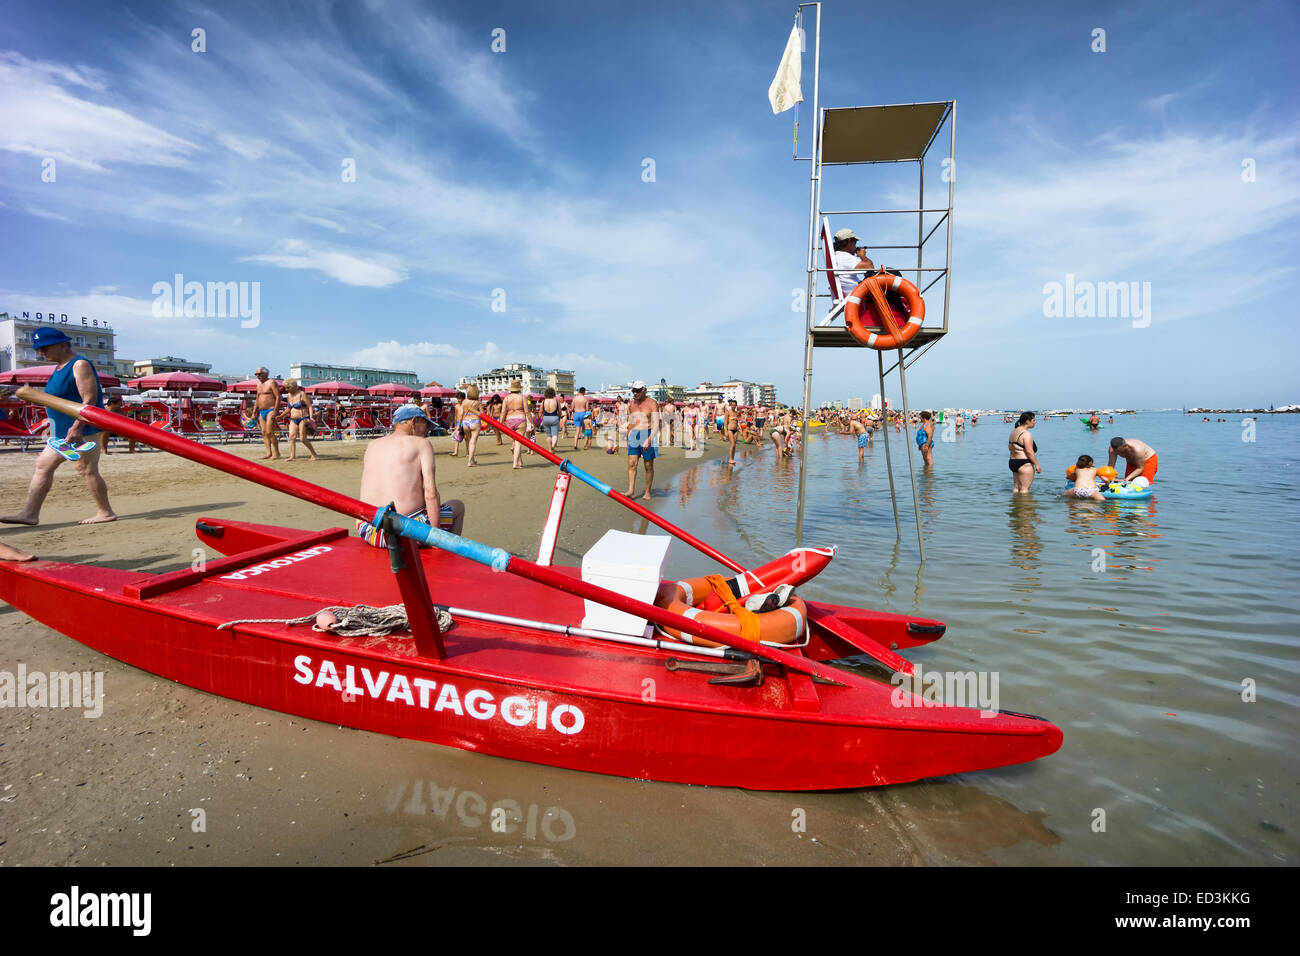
{"points": [[1161, 636]]}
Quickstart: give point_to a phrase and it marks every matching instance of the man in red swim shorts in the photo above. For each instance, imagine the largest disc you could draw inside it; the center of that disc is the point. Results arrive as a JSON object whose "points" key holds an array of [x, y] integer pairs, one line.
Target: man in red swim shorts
{"points": [[1140, 461]]}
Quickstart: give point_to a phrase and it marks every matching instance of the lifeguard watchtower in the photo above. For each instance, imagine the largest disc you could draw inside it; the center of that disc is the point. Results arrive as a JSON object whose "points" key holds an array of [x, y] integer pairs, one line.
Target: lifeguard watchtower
{"points": [[844, 139]]}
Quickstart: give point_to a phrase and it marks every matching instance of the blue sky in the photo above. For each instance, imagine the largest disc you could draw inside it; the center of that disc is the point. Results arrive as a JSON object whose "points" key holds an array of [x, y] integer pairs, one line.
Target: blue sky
{"points": [[522, 171]]}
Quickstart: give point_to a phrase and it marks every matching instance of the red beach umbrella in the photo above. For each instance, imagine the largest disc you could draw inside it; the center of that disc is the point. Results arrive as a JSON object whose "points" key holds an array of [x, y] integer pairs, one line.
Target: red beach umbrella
{"points": [[40, 374], [391, 388], [178, 382], [250, 385], [334, 388]]}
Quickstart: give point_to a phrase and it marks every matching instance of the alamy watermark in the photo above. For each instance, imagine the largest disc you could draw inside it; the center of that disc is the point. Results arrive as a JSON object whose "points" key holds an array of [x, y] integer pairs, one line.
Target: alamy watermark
{"points": [[80, 689], [1083, 299], [213, 300], [947, 689]]}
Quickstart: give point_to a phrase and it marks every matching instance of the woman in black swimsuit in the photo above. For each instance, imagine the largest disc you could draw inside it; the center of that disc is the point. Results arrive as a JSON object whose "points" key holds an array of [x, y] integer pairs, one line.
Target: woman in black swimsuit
{"points": [[1023, 454]]}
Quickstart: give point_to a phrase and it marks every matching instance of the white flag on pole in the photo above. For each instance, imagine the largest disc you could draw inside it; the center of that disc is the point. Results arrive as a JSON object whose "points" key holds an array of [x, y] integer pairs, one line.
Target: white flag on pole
{"points": [[784, 91]]}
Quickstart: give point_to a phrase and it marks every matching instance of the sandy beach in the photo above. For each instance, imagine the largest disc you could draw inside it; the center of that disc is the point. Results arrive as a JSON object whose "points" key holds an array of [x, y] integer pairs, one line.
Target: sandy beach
{"points": [[124, 788]]}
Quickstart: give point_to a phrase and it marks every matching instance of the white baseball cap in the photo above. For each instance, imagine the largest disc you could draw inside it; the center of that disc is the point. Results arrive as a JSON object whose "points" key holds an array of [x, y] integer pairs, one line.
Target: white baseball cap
{"points": [[638, 386], [844, 234]]}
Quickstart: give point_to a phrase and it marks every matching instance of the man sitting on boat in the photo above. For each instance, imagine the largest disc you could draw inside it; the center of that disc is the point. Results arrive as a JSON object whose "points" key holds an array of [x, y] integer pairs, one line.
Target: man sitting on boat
{"points": [[399, 469]]}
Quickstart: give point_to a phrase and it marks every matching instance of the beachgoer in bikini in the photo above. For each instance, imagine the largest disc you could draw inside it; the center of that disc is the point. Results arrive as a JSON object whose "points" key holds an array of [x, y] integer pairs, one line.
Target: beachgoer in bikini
{"points": [[691, 424], [731, 425], [300, 412], [518, 415], [780, 432], [551, 417], [1023, 454], [469, 422]]}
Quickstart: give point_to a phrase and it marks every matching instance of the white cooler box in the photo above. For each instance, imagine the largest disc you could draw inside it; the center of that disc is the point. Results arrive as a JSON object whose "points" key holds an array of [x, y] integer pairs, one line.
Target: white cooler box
{"points": [[628, 564]]}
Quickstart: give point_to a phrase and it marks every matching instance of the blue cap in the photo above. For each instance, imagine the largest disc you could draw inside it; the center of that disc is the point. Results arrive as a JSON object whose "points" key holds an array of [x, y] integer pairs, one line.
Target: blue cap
{"points": [[408, 412], [46, 336]]}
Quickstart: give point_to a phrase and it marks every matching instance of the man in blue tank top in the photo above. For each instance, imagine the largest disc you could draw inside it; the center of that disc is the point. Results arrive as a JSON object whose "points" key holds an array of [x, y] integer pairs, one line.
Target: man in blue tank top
{"points": [[74, 378]]}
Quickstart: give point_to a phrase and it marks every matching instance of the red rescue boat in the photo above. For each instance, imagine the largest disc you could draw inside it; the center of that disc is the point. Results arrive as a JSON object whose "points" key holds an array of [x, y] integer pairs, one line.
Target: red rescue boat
{"points": [[515, 675]]}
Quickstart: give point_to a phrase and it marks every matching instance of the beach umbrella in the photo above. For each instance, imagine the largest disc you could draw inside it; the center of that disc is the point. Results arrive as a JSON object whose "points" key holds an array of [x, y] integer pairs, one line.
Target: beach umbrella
{"points": [[391, 388], [179, 381], [40, 374], [250, 385], [434, 390], [334, 388]]}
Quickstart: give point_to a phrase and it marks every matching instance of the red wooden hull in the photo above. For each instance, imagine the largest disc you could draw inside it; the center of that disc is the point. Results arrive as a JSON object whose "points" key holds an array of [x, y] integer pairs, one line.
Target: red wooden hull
{"points": [[514, 692]]}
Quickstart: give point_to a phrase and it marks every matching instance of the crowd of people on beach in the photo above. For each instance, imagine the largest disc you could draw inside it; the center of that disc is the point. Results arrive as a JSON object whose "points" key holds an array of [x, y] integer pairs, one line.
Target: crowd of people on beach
{"points": [[399, 467]]}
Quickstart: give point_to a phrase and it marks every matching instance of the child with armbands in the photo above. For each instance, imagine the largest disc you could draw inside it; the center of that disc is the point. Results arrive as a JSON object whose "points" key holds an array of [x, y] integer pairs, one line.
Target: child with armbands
{"points": [[1084, 474]]}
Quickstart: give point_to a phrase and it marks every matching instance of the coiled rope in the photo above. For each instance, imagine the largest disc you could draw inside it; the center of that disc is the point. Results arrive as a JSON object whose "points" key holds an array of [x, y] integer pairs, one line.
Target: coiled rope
{"points": [[361, 620]]}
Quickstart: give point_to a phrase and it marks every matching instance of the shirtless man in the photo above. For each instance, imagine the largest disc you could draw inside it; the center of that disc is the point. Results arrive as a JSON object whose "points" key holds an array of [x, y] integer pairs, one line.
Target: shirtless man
{"points": [[581, 409], [668, 415], [731, 426], [398, 469], [642, 437], [1139, 457], [268, 404], [858, 429]]}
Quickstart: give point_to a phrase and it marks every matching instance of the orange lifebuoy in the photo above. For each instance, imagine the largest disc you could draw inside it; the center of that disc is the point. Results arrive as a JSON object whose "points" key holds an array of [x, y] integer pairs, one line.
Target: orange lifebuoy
{"points": [[794, 567], [888, 283], [785, 625]]}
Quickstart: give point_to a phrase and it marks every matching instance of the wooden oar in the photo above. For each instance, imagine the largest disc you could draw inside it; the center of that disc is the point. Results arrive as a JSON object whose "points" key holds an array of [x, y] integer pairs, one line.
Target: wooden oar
{"points": [[495, 558]]}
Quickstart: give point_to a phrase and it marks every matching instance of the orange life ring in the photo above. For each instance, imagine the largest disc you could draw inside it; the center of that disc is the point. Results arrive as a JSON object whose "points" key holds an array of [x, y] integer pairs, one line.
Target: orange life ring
{"points": [[888, 283], [785, 625], [794, 567]]}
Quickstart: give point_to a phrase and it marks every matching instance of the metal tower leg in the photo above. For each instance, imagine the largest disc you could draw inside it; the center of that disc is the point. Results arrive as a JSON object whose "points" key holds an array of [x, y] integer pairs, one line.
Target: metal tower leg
{"points": [[803, 435], [911, 470], [889, 464]]}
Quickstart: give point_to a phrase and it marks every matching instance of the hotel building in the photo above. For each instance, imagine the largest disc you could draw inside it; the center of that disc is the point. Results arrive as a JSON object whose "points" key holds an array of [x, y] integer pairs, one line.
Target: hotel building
{"points": [[92, 338]]}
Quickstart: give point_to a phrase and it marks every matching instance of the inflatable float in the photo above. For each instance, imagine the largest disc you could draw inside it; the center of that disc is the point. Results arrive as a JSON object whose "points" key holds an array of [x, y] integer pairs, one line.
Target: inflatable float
{"points": [[1113, 487]]}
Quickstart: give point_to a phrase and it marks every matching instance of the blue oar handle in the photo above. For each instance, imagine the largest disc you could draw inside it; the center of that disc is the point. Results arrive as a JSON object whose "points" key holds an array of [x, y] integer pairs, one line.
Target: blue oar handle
{"points": [[582, 476], [494, 558]]}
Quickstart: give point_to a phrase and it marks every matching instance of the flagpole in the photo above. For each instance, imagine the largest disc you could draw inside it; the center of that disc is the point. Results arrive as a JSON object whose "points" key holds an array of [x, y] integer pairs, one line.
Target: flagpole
{"points": [[814, 161]]}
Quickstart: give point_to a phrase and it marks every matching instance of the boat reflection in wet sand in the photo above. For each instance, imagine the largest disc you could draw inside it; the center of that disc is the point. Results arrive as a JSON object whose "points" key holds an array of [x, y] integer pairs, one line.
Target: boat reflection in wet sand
{"points": [[514, 673]]}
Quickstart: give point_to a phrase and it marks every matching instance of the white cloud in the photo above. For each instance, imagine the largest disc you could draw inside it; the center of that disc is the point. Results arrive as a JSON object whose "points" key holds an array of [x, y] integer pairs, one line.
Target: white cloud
{"points": [[376, 272], [43, 119], [46, 214], [247, 148]]}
